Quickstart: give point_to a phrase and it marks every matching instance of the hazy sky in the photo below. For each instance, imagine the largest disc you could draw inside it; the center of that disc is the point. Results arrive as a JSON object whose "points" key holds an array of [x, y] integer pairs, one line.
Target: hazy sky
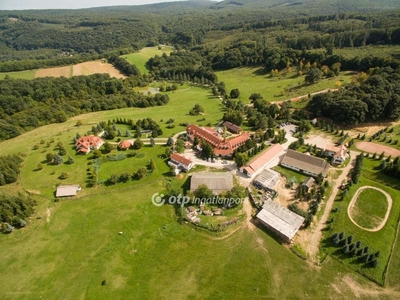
{"points": [[51, 4]]}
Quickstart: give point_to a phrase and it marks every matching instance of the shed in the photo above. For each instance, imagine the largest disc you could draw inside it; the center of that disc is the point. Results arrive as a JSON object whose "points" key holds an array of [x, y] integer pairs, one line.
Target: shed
{"points": [[215, 181], [280, 220], [67, 190]]}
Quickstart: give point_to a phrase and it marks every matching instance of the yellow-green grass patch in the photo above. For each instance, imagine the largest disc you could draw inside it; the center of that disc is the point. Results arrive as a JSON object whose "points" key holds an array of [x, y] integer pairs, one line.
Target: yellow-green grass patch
{"points": [[30, 74], [140, 58], [370, 208]]}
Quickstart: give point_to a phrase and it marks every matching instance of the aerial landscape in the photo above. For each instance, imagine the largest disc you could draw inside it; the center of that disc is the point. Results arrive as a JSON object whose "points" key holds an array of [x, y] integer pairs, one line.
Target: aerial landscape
{"points": [[244, 149]]}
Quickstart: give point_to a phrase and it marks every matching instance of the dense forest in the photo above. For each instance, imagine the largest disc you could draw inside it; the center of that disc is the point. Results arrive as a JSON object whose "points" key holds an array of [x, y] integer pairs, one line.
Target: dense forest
{"points": [[9, 168], [275, 35], [376, 98], [14, 211]]}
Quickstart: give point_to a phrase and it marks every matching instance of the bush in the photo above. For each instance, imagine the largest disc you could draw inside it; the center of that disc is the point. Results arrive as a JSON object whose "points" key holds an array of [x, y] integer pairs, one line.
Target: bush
{"points": [[63, 176]]}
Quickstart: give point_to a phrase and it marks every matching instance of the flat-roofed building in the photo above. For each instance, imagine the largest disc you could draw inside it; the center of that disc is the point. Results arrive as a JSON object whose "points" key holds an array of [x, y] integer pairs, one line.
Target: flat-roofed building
{"points": [[215, 181], [67, 190], [280, 220]]}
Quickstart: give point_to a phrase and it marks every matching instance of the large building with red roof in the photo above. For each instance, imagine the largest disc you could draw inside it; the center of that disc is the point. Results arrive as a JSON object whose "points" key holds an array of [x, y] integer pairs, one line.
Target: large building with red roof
{"points": [[87, 143], [222, 146], [260, 161]]}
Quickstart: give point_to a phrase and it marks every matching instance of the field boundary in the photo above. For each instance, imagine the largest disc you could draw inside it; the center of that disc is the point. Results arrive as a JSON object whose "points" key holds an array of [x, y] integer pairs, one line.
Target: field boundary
{"points": [[354, 200]]}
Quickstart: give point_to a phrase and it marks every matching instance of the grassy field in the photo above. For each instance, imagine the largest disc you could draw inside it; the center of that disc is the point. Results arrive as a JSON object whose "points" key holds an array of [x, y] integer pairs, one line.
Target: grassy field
{"points": [[370, 208], [71, 246], [377, 241], [69, 254], [140, 58], [30, 74], [249, 80]]}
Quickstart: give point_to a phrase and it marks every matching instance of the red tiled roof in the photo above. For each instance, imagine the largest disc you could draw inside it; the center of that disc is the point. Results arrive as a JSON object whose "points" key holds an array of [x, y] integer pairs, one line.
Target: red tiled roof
{"points": [[259, 161], [124, 145], [90, 141], [221, 146], [180, 159]]}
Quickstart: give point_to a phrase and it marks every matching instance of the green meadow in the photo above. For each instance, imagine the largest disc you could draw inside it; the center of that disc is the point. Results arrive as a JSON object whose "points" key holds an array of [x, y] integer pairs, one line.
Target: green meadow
{"points": [[370, 208], [382, 240], [140, 58], [30, 74], [252, 80]]}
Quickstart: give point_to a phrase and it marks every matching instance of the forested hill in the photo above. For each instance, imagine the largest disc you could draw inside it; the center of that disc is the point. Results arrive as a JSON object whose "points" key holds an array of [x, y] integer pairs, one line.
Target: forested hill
{"points": [[322, 6]]}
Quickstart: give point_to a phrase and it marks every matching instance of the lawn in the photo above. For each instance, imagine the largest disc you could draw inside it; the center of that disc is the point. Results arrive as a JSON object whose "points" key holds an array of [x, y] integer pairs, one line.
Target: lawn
{"points": [[30, 74], [68, 255], [369, 208], [131, 165], [289, 174], [377, 241], [140, 58], [251, 80]]}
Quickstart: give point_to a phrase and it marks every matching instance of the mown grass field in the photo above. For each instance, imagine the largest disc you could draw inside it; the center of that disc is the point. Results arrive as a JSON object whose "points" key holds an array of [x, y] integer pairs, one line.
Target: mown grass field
{"points": [[377, 241], [140, 58], [30, 74], [250, 80], [370, 208], [68, 256]]}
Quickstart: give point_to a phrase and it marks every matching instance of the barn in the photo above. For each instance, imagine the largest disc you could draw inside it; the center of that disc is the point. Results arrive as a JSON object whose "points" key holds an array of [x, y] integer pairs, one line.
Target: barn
{"points": [[215, 181], [283, 222]]}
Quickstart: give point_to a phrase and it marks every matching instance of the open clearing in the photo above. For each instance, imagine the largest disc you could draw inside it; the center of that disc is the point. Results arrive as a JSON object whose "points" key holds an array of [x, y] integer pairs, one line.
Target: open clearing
{"points": [[96, 67], [251, 80], [30, 74], [370, 208], [86, 68], [140, 58], [54, 72]]}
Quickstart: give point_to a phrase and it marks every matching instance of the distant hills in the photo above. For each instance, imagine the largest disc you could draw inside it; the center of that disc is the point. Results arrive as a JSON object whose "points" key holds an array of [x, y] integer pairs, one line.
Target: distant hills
{"points": [[281, 7]]}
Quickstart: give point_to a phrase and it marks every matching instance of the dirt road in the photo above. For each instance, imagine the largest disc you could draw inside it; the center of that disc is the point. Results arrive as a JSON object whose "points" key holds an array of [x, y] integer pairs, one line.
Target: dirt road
{"points": [[312, 247]]}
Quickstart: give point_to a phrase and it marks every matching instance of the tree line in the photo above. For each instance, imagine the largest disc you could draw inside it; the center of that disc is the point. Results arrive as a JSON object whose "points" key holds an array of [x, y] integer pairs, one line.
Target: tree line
{"points": [[375, 98], [27, 104], [10, 166], [14, 211]]}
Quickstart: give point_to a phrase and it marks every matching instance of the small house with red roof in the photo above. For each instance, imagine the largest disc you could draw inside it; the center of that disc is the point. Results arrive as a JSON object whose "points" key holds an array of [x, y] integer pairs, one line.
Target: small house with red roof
{"points": [[180, 163], [124, 145], [338, 154], [87, 143]]}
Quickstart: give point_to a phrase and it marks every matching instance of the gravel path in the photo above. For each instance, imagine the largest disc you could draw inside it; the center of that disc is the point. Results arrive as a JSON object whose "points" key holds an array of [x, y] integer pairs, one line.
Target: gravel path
{"points": [[316, 235], [354, 199]]}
